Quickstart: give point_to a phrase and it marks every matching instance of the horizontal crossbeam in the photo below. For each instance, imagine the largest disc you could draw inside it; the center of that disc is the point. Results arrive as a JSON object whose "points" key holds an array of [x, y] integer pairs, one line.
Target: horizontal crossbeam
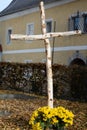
{"points": [[45, 36]]}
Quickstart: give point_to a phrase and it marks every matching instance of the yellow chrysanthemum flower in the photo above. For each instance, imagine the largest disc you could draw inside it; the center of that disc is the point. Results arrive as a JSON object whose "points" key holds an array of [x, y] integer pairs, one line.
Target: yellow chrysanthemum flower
{"points": [[51, 116], [36, 127]]}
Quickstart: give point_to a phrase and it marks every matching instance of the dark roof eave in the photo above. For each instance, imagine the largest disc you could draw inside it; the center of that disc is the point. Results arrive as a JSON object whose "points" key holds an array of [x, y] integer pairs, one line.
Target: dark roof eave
{"points": [[13, 9], [18, 10]]}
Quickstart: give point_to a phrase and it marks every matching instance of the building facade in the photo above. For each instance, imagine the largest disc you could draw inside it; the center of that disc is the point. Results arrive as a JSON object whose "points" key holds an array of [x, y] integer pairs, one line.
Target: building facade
{"points": [[61, 16]]}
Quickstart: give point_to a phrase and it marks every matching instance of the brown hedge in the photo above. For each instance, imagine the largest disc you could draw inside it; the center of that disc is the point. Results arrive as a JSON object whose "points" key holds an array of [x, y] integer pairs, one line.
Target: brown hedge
{"points": [[68, 82]]}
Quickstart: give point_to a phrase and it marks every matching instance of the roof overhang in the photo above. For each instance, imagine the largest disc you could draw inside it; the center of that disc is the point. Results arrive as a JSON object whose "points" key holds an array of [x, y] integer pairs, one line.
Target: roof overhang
{"points": [[35, 9]]}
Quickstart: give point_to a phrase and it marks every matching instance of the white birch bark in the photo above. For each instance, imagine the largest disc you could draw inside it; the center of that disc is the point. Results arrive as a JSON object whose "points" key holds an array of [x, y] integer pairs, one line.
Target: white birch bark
{"points": [[44, 36], [48, 58]]}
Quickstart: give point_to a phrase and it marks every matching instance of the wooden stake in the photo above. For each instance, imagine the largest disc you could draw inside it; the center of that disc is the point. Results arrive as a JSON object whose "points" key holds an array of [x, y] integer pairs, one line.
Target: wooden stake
{"points": [[48, 58]]}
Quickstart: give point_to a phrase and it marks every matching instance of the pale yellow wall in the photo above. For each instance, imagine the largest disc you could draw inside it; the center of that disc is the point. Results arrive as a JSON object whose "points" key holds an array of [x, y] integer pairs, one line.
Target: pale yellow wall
{"points": [[60, 14], [63, 57], [22, 57], [59, 57]]}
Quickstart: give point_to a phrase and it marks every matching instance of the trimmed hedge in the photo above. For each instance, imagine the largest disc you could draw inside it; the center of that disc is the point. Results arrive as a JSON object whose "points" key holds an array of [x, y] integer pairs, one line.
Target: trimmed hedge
{"points": [[68, 82]]}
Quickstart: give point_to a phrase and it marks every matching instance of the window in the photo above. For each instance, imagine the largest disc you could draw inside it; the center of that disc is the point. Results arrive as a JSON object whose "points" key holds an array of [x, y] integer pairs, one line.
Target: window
{"points": [[49, 26], [9, 31], [30, 29], [76, 23], [85, 23]]}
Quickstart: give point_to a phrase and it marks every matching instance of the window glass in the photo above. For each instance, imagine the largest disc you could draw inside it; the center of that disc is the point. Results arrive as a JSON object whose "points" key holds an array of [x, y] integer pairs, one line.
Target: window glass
{"points": [[30, 29], [8, 36], [85, 23], [49, 26], [76, 23]]}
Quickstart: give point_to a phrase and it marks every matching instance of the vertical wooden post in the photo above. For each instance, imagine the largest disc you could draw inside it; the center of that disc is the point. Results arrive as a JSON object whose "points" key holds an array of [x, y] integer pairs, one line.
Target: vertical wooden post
{"points": [[48, 58]]}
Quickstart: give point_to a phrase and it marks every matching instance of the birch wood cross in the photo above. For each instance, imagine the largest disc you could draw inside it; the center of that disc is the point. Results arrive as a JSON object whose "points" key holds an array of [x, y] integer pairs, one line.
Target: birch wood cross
{"points": [[45, 36]]}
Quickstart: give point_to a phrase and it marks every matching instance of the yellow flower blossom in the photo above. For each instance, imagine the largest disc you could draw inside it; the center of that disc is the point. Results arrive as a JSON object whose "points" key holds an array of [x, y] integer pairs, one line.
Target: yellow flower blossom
{"points": [[36, 127], [51, 116]]}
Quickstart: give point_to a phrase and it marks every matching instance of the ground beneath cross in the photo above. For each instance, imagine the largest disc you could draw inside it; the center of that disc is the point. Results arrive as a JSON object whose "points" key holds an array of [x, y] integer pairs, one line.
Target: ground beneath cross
{"points": [[21, 110]]}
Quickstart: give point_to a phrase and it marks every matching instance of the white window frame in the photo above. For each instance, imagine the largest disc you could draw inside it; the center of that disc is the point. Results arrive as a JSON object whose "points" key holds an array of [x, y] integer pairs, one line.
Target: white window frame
{"points": [[8, 41], [27, 30]]}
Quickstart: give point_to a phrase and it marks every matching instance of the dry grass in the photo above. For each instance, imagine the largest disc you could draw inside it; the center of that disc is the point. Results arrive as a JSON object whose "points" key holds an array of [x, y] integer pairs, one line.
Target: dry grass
{"points": [[21, 110]]}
